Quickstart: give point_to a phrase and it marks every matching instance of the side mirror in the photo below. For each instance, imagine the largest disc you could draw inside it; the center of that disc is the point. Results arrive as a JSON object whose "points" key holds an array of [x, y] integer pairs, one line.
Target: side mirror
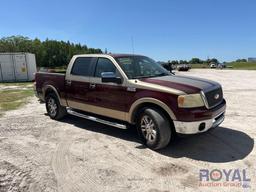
{"points": [[110, 77]]}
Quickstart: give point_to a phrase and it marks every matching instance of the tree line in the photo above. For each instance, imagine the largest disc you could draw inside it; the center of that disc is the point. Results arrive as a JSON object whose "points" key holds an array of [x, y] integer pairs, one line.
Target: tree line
{"points": [[49, 53], [53, 53], [200, 61], [194, 61]]}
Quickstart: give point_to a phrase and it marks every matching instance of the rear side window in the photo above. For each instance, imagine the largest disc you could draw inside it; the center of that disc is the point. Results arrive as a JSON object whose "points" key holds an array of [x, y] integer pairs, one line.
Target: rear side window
{"points": [[104, 65], [82, 66]]}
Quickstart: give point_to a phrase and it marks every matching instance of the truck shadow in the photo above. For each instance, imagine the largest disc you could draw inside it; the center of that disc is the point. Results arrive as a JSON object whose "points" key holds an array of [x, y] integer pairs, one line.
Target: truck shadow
{"points": [[125, 134], [218, 145]]}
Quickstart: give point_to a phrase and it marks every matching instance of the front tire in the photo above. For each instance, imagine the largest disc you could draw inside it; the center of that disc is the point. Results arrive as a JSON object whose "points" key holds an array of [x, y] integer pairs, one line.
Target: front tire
{"points": [[53, 107], [154, 128]]}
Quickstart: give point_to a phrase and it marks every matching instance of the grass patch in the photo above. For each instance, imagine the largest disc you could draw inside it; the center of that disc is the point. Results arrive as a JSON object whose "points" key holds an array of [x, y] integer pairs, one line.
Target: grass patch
{"points": [[13, 99], [23, 84], [60, 70], [199, 66], [243, 65]]}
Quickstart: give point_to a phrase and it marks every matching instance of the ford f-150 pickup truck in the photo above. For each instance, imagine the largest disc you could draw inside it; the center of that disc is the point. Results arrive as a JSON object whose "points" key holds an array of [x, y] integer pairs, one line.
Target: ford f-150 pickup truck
{"points": [[126, 89]]}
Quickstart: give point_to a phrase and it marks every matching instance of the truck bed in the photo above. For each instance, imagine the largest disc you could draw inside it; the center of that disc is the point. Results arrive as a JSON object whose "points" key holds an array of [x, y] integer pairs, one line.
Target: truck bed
{"points": [[57, 80]]}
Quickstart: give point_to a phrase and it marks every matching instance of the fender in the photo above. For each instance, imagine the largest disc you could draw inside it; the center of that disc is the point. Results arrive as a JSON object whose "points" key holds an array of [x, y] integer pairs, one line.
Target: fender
{"points": [[130, 114], [50, 87]]}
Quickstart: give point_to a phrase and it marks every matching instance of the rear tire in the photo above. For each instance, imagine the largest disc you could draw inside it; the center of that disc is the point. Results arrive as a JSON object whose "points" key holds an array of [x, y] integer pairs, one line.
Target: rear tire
{"points": [[53, 107], [154, 128]]}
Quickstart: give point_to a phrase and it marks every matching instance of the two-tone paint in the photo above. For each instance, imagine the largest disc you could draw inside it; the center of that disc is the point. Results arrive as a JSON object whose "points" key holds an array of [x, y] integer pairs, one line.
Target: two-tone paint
{"points": [[122, 101]]}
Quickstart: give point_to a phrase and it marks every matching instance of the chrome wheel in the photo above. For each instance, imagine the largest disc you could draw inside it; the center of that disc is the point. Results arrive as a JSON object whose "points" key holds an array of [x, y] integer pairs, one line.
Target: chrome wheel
{"points": [[148, 128], [52, 107]]}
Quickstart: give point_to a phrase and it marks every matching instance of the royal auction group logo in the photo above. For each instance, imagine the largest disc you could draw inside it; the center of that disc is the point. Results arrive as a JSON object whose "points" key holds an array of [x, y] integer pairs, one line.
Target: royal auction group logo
{"points": [[224, 178]]}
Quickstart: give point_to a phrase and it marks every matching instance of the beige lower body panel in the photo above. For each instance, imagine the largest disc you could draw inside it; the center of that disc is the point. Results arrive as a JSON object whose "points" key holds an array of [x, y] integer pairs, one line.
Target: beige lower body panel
{"points": [[99, 110]]}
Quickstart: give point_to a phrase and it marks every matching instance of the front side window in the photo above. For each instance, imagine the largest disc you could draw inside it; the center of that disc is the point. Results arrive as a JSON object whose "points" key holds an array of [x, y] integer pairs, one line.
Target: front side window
{"points": [[82, 66], [104, 65], [140, 67]]}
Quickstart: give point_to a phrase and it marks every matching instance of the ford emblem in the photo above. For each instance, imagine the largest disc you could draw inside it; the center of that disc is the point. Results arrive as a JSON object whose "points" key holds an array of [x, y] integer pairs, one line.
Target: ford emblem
{"points": [[217, 96]]}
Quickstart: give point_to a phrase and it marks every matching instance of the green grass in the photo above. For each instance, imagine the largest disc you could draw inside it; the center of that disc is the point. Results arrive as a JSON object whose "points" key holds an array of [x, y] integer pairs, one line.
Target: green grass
{"points": [[23, 84], [198, 66], [243, 65], [13, 99], [60, 70]]}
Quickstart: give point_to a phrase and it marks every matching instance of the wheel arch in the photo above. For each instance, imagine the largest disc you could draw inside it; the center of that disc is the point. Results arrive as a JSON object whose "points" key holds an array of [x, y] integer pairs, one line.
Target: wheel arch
{"points": [[149, 102], [51, 89]]}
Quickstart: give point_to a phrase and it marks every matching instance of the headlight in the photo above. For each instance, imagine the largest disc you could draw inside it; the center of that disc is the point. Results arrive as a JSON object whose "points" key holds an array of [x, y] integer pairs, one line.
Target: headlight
{"points": [[190, 101]]}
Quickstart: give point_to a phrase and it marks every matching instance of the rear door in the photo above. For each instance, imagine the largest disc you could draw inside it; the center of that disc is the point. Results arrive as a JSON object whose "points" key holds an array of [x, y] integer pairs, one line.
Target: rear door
{"points": [[77, 82], [21, 71], [6, 64]]}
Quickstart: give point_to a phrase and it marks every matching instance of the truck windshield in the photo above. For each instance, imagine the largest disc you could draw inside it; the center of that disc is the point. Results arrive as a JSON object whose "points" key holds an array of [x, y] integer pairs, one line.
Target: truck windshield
{"points": [[136, 67]]}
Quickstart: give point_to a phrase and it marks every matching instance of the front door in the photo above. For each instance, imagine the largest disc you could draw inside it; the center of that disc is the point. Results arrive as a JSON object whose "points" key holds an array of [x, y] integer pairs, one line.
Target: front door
{"points": [[109, 99]]}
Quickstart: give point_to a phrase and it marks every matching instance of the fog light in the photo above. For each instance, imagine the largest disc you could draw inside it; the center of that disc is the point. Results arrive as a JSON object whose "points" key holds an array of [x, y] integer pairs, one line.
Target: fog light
{"points": [[201, 127]]}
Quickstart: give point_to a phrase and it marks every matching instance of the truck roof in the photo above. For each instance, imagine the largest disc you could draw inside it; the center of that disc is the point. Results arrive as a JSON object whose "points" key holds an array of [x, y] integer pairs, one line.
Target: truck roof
{"points": [[112, 55], [123, 55]]}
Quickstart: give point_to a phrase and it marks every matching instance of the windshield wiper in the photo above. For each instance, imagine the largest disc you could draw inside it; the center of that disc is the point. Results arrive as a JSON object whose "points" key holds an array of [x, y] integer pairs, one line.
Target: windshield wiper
{"points": [[157, 75], [161, 74]]}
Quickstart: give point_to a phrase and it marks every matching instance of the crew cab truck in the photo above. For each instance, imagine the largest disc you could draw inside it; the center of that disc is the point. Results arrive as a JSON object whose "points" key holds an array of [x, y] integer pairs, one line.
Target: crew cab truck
{"points": [[123, 89]]}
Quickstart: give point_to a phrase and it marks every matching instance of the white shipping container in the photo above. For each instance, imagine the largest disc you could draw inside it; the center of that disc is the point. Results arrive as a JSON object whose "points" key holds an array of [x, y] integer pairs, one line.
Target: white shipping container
{"points": [[17, 67]]}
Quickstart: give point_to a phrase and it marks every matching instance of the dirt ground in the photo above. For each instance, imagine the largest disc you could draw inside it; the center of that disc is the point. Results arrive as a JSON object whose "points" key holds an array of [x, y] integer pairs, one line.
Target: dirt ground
{"points": [[40, 154]]}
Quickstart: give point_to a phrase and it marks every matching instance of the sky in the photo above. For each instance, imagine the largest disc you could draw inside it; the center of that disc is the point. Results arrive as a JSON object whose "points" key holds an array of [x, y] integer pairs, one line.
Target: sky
{"points": [[161, 29]]}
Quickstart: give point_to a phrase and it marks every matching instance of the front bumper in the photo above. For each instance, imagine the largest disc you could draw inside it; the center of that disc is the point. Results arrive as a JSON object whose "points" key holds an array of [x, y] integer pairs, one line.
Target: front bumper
{"points": [[198, 126]]}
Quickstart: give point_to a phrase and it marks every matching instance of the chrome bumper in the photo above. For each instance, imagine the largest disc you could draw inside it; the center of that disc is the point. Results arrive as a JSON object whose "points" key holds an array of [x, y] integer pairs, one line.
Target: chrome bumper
{"points": [[198, 126]]}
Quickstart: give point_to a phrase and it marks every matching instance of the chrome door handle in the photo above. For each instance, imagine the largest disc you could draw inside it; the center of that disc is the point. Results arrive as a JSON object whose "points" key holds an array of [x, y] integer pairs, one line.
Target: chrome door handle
{"points": [[68, 82], [92, 86]]}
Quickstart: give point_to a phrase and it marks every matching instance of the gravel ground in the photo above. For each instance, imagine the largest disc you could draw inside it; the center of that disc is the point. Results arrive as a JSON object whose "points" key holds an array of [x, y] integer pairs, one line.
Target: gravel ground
{"points": [[40, 154]]}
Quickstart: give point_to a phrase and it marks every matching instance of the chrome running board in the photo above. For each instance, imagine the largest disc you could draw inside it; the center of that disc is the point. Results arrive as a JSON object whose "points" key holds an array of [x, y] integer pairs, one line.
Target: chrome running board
{"points": [[113, 124]]}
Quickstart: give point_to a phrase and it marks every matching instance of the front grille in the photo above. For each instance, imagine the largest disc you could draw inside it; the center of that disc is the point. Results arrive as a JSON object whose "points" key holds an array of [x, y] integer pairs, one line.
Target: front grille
{"points": [[211, 97]]}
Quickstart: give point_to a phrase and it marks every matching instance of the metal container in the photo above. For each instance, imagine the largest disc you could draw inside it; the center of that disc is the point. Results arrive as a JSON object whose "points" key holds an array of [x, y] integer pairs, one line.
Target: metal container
{"points": [[17, 67]]}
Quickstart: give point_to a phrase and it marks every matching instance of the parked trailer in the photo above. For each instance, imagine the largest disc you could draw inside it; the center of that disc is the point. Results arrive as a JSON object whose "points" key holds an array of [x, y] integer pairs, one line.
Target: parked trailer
{"points": [[17, 67]]}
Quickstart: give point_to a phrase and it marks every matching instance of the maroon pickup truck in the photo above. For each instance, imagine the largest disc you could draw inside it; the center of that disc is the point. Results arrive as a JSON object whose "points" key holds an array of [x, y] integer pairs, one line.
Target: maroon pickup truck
{"points": [[122, 89]]}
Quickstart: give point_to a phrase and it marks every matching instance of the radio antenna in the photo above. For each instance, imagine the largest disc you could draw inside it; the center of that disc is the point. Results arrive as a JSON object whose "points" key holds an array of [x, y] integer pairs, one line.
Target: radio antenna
{"points": [[132, 45]]}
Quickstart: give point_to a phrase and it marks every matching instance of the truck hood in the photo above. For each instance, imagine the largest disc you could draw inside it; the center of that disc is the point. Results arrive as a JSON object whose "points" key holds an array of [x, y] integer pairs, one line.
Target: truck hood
{"points": [[185, 84]]}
